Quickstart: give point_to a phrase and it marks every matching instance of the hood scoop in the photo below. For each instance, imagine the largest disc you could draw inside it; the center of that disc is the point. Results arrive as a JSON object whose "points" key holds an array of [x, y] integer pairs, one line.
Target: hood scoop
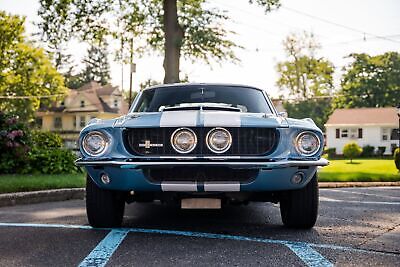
{"points": [[201, 106]]}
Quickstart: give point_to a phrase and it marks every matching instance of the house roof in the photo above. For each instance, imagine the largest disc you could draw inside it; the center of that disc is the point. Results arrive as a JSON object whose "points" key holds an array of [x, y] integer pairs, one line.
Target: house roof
{"points": [[93, 92], [363, 116]]}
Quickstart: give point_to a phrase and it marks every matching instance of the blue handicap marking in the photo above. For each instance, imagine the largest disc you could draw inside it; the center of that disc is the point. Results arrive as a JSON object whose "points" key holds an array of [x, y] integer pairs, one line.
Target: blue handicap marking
{"points": [[308, 255], [102, 253]]}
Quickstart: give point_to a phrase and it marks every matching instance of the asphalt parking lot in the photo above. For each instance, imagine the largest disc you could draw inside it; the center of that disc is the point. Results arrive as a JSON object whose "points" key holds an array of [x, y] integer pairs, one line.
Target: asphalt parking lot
{"points": [[356, 227]]}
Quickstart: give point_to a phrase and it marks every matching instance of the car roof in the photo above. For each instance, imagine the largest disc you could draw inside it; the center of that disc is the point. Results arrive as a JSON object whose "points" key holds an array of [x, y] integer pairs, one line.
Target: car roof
{"points": [[200, 84]]}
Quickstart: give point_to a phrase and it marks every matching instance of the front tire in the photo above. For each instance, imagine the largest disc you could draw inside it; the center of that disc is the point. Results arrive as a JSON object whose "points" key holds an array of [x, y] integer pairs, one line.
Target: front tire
{"points": [[299, 208], [104, 208]]}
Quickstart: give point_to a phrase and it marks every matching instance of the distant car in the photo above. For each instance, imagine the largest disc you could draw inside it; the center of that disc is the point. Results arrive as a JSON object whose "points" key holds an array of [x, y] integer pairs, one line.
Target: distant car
{"points": [[202, 146]]}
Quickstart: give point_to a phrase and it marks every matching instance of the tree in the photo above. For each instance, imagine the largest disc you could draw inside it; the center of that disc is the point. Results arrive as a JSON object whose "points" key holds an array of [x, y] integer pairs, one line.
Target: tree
{"points": [[97, 67], [178, 28], [371, 81], [306, 78], [304, 75], [318, 109], [25, 71], [351, 150]]}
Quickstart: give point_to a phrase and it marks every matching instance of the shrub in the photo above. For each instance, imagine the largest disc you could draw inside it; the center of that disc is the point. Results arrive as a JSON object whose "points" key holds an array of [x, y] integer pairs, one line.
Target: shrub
{"points": [[24, 151], [351, 150], [331, 152], [397, 158], [51, 161], [13, 144], [368, 151], [45, 139], [381, 150]]}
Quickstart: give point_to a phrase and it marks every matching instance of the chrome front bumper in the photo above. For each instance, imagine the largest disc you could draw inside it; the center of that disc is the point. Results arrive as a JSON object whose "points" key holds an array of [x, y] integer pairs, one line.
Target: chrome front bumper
{"points": [[137, 164]]}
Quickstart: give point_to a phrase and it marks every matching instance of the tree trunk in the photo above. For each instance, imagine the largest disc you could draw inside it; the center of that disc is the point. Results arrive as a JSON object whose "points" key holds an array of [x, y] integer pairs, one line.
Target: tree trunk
{"points": [[173, 41]]}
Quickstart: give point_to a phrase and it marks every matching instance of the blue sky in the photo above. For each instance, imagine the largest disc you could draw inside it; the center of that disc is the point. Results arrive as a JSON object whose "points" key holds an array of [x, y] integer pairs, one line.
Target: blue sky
{"points": [[261, 36]]}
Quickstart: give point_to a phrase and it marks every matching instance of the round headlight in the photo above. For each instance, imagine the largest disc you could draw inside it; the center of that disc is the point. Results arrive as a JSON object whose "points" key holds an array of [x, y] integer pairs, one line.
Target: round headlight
{"points": [[219, 140], [183, 140], [95, 143], [307, 143]]}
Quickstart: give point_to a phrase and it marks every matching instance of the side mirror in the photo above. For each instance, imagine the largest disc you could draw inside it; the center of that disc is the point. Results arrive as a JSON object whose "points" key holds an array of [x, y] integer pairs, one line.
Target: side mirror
{"points": [[283, 114]]}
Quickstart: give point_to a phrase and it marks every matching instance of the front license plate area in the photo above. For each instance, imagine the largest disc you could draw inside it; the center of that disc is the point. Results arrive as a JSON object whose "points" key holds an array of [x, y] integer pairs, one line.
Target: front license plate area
{"points": [[201, 203]]}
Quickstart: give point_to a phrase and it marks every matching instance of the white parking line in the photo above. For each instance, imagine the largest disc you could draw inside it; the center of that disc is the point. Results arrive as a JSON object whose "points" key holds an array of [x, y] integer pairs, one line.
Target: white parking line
{"points": [[327, 199], [360, 193]]}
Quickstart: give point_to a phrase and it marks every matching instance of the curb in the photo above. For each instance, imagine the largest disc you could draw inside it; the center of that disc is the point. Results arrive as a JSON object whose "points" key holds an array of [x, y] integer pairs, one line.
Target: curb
{"points": [[21, 198]]}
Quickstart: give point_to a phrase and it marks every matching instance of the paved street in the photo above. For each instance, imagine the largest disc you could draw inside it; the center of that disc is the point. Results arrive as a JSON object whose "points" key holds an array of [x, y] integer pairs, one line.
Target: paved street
{"points": [[356, 227]]}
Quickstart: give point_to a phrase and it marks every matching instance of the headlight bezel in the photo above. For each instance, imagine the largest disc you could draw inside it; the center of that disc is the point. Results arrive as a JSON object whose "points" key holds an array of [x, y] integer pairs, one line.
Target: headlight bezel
{"points": [[104, 136], [212, 147], [173, 138], [303, 152]]}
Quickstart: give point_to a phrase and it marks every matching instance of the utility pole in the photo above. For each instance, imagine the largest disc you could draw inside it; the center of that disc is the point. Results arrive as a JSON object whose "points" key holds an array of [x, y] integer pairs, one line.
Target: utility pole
{"points": [[131, 71]]}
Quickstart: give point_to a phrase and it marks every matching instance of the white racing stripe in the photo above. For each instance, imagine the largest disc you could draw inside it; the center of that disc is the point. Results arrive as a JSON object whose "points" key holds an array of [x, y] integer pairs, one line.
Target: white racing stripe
{"points": [[227, 119], [222, 187], [179, 118], [178, 187]]}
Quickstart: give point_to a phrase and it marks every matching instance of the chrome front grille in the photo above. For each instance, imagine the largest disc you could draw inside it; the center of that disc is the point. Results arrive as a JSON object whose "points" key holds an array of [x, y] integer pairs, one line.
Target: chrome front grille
{"points": [[246, 141]]}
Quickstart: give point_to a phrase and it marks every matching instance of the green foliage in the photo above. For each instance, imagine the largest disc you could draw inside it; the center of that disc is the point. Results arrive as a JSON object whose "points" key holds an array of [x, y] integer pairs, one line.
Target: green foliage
{"points": [[199, 24], [13, 144], [97, 67], [45, 139], [48, 156], [368, 151], [331, 152], [381, 150], [351, 150], [371, 81], [51, 161], [24, 151], [304, 75], [24, 71], [396, 157], [317, 109]]}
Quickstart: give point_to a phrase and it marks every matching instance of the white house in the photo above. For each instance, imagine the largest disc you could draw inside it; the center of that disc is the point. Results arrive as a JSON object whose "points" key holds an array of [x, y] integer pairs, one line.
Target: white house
{"points": [[376, 127]]}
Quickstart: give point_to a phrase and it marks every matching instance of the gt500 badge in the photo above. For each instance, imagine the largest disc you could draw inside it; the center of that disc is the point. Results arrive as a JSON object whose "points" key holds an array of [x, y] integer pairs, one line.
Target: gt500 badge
{"points": [[148, 144]]}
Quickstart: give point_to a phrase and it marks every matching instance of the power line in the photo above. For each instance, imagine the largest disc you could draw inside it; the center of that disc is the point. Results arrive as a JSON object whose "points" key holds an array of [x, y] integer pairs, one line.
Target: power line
{"points": [[338, 24], [29, 96]]}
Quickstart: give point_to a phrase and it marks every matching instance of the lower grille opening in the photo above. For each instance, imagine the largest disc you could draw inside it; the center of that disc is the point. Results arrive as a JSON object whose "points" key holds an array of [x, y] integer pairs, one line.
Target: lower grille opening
{"points": [[200, 174]]}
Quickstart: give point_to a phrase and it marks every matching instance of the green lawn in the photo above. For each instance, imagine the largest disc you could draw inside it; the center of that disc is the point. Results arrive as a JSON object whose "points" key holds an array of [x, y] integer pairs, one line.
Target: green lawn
{"points": [[362, 170], [19, 183]]}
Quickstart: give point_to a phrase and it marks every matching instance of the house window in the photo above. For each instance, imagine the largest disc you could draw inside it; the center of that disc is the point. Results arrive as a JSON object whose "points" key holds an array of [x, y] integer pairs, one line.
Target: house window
{"points": [[82, 103], [39, 122], [385, 134], [353, 133], [115, 103], [337, 133], [57, 123], [344, 133], [394, 135], [360, 133], [82, 121]]}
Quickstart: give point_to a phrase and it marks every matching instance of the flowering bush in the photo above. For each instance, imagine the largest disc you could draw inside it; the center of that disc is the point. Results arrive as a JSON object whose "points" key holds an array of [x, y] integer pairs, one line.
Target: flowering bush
{"points": [[14, 144], [23, 151]]}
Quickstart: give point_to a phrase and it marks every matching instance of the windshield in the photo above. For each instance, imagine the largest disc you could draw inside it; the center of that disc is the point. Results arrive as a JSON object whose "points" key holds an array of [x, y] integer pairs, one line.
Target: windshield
{"points": [[243, 99]]}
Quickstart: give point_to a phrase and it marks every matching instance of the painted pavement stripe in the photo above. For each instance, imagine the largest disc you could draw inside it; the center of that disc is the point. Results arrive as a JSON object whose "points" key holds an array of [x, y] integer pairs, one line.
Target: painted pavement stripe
{"points": [[102, 253], [327, 199], [308, 255], [290, 244]]}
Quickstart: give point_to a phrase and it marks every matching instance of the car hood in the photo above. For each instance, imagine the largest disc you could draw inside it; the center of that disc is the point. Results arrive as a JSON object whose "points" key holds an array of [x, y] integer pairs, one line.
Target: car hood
{"points": [[200, 118]]}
